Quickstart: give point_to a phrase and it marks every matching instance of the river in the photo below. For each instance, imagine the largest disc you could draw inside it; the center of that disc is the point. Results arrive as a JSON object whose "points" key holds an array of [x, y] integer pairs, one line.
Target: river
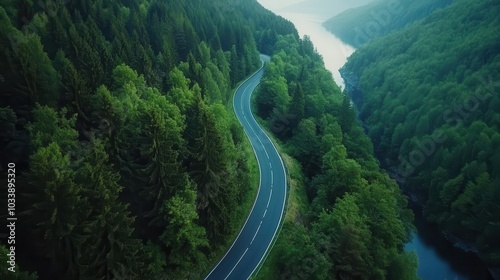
{"points": [[333, 50], [438, 259]]}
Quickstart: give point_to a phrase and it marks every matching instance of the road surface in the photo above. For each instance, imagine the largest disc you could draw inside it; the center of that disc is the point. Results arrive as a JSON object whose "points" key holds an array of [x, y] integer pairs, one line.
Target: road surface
{"points": [[254, 239]]}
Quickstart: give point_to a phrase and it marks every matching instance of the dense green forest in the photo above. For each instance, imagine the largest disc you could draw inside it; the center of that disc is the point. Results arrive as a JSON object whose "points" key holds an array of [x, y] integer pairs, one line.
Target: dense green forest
{"points": [[356, 220], [429, 97], [129, 162], [358, 26]]}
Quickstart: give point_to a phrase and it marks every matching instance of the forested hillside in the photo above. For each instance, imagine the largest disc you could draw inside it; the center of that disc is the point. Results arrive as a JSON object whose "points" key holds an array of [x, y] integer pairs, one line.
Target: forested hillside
{"points": [[360, 25], [354, 220], [429, 97], [129, 164]]}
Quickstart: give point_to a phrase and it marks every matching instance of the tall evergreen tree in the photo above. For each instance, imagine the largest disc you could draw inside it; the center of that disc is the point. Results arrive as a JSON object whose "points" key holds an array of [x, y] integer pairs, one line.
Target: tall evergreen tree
{"points": [[108, 248]]}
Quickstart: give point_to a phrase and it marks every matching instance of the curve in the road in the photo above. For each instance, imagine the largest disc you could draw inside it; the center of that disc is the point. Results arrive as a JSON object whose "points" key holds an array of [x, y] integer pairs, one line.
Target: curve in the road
{"points": [[250, 246]]}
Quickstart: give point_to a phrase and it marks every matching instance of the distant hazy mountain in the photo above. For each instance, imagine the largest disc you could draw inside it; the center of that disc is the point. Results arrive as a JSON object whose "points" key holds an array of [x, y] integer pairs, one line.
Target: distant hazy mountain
{"points": [[361, 24], [327, 8]]}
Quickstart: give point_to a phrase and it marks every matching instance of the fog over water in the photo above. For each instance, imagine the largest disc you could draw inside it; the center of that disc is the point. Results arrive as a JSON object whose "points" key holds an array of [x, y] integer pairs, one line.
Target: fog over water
{"points": [[324, 8]]}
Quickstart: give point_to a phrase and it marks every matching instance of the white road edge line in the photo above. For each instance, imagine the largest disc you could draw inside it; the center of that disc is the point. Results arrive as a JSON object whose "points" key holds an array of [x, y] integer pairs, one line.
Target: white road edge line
{"points": [[260, 184], [284, 197], [236, 264], [260, 176]]}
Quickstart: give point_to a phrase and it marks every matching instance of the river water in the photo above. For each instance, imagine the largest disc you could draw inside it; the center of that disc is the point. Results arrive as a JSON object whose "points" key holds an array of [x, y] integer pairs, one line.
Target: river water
{"points": [[438, 259]]}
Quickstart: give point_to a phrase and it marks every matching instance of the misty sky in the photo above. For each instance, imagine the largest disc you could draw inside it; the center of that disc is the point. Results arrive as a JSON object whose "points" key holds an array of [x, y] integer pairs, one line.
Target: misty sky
{"points": [[325, 8], [278, 4]]}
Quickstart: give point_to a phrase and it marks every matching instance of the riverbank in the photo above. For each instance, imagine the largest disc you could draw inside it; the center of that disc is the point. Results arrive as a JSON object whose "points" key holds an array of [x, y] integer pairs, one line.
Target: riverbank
{"points": [[433, 247], [331, 48]]}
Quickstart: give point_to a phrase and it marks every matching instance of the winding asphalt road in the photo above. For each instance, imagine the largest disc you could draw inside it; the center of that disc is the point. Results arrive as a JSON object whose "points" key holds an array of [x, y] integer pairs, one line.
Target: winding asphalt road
{"points": [[253, 241]]}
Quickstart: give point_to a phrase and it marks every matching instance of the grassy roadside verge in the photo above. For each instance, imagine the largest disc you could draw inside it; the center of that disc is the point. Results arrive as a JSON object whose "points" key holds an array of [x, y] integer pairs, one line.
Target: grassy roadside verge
{"points": [[297, 207]]}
